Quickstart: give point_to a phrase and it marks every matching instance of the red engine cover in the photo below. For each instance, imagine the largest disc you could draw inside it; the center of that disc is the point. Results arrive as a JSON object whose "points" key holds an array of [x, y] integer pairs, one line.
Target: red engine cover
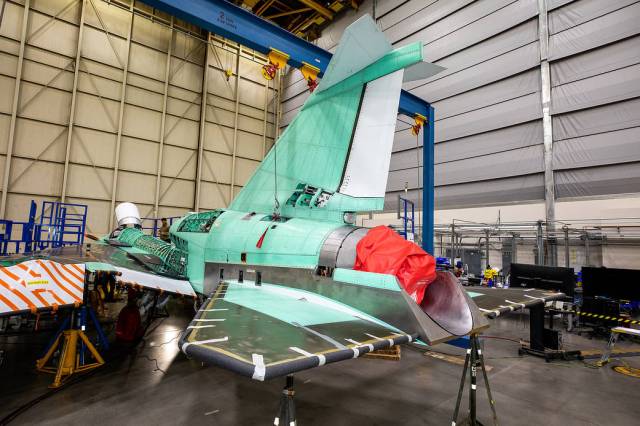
{"points": [[383, 251]]}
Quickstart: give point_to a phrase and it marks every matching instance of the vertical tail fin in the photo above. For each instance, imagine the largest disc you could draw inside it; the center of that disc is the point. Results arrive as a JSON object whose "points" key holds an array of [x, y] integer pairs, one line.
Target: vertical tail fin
{"points": [[334, 156]]}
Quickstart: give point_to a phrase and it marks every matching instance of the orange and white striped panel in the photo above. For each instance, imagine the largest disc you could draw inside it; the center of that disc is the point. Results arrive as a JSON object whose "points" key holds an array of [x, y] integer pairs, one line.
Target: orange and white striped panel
{"points": [[38, 284]]}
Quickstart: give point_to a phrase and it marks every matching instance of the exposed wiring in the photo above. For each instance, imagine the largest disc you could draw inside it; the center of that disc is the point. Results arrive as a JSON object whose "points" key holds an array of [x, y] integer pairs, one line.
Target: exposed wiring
{"points": [[420, 218], [81, 377], [155, 360], [502, 338], [276, 204], [167, 342]]}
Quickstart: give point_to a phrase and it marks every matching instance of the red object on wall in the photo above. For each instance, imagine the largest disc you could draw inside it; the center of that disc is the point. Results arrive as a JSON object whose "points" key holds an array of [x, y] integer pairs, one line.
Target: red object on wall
{"points": [[384, 251]]}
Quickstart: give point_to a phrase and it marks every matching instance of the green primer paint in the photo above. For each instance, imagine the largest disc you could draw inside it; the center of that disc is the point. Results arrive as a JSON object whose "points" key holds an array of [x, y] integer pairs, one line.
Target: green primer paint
{"points": [[367, 279]]}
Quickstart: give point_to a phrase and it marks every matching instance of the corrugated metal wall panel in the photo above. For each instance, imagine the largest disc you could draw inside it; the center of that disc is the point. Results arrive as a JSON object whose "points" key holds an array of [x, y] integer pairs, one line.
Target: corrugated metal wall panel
{"points": [[501, 140], [621, 146], [489, 71], [554, 4], [501, 191], [485, 27], [582, 11], [598, 181], [40, 142], [518, 36], [600, 31], [597, 61], [488, 100], [607, 118], [613, 86], [506, 89], [386, 6], [596, 122], [504, 114], [522, 161]]}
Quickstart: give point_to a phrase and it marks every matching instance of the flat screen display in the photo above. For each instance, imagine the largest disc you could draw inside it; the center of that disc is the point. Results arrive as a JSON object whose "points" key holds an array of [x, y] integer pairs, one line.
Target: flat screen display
{"points": [[542, 277]]}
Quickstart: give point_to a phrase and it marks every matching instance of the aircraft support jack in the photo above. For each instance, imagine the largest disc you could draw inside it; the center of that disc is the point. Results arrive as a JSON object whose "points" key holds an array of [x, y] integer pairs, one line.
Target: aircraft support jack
{"points": [[472, 362], [70, 360], [73, 344], [287, 412]]}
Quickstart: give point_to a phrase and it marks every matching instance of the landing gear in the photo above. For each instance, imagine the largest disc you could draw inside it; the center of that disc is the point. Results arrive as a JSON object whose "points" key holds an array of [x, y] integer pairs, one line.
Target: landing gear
{"points": [[474, 359], [287, 412]]}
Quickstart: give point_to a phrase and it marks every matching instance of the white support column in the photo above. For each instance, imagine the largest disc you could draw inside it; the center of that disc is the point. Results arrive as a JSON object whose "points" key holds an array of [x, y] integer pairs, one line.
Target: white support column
{"points": [[14, 109], [167, 71], [235, 128], [547, 128], [203, 119], [72, 113], [123, 92]]}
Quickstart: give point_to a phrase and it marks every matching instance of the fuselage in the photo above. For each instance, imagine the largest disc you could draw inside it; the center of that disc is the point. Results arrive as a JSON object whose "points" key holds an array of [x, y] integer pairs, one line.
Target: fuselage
{"points": [[248, 238]]}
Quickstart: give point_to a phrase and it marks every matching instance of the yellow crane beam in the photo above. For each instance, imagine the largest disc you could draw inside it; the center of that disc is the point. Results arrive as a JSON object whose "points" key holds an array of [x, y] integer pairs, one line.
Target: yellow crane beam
{"points": [[327, 13]]}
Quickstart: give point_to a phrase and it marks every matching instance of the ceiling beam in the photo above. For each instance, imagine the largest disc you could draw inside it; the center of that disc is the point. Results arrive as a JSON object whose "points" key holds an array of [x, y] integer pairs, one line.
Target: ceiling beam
{"points": [[291, 12], [327, 13], [264, 7]]}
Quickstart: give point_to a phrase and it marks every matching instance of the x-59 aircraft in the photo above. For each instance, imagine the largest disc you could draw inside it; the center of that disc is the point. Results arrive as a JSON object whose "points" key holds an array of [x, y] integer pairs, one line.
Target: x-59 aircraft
{"points": [[275, 270]]}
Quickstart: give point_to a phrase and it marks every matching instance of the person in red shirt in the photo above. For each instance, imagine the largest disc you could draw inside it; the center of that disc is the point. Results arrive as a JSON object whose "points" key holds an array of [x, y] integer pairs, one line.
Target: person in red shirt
{"points": [[129, 328]]}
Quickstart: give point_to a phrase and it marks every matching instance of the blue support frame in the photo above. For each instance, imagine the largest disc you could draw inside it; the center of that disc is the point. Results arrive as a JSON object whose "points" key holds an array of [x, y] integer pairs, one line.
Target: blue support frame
{"points": [[235, 23], [428, 182]]}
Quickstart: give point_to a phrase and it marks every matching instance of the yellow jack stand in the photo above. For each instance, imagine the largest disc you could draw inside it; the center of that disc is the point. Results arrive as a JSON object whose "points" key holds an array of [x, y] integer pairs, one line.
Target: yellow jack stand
{"points": [[70, 359]]}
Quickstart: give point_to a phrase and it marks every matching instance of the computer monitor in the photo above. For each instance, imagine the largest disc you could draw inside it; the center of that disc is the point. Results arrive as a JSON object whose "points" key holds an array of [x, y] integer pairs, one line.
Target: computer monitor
{"points": [[542, 277], [614, 283]]}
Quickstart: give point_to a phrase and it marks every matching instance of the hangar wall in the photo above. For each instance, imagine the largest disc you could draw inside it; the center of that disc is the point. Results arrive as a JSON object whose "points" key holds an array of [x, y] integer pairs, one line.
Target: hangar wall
{"points": [[489, 111], [129, 123]]}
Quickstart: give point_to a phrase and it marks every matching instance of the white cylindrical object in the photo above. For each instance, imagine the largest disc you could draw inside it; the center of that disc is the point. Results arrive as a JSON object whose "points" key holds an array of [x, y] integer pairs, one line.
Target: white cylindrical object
{"points": [[127, 214]]}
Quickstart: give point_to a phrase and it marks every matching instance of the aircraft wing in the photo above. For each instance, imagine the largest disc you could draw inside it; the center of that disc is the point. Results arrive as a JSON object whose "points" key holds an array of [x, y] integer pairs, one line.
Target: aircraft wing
{"points": [[266, 331], [494, 302], [54, 278]]}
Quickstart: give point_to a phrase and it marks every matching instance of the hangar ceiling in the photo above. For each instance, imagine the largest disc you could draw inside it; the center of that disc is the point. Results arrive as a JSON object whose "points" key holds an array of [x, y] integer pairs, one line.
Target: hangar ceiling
{"points": [[304, 18]]}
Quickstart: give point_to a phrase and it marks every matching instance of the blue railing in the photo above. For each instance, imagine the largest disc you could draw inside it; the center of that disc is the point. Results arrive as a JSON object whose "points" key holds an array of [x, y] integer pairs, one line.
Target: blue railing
{"points": [[406, 212], [60, 224]]}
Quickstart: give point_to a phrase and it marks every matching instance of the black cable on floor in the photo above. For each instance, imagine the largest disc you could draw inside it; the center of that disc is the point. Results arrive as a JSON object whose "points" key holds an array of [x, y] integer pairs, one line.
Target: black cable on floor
{"points": [[73, 380]]}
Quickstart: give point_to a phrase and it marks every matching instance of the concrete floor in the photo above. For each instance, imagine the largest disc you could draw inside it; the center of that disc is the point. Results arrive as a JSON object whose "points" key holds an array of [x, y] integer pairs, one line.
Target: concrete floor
{"points": [[418, 390]]}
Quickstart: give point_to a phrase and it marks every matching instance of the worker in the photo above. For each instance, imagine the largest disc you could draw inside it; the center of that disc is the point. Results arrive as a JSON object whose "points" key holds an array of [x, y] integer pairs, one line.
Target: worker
{"points": [[488, 276], [163, 233], [458, 270], [129, 329]]}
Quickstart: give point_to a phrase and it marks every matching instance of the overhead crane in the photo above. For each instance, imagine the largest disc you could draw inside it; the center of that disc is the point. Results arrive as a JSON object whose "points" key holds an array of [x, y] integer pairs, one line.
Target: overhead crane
{"points": [[235, 23]]}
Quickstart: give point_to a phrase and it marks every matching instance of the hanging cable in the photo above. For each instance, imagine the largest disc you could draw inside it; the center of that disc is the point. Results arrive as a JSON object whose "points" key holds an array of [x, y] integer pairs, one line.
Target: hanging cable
{"points": [[419, 192], [276, 204]]}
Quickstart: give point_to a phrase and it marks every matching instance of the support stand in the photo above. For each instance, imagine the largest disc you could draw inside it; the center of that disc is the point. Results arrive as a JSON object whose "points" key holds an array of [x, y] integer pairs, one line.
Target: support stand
{"points": [[537, 339], [73, 345], [472, 361], [287, 412]]}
